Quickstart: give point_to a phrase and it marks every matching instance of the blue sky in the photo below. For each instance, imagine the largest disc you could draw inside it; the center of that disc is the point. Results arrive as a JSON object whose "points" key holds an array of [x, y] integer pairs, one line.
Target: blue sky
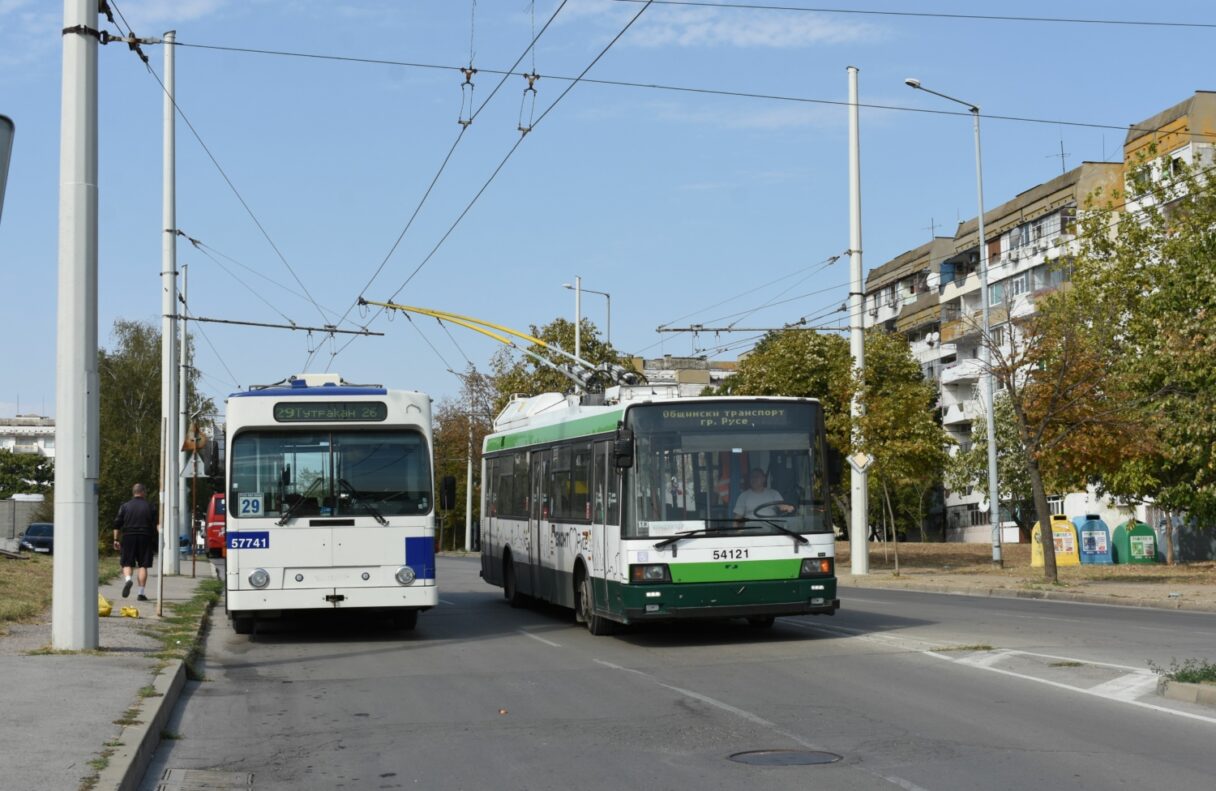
{"points": [[669, 201]]}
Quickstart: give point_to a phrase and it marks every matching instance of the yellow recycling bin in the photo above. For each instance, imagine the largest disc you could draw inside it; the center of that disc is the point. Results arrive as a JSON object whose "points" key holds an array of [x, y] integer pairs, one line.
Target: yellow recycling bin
{"points": [[1064, 534]]}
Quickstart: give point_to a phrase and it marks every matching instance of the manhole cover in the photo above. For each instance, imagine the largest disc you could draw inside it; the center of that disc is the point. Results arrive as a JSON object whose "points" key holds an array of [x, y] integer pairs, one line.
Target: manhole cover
{"points": [[785, 757], [204, 780]]}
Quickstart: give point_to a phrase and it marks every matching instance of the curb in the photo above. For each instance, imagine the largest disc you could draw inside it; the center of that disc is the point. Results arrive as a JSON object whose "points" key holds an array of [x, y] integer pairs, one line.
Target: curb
{"points": [[127, 764], [139, 741], [1004, 593], [1187, 693]]}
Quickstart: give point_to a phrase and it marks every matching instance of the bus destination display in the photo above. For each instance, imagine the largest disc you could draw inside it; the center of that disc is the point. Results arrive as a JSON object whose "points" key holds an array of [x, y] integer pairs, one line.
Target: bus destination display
{"points": [[330, 411], [731, 416]]}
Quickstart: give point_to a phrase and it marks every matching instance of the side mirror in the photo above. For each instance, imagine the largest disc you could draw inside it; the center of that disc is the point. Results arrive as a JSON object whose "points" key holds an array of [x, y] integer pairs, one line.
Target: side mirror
{"points": [[835, 467], [622, 449], [447, 492]]}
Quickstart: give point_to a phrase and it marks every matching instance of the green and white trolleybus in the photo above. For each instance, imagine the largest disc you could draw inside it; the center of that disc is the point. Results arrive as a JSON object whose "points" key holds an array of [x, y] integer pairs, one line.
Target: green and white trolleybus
{"points": [[655, 509], [330, 502]]}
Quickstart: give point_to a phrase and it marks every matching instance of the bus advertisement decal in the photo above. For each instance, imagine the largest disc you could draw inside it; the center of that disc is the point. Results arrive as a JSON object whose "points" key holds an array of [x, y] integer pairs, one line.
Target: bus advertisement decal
{"points": [[249, 539]]}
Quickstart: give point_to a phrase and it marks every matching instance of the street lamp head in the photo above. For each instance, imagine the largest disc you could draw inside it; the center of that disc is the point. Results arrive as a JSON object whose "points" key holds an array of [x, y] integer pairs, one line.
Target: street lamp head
{"points": [[567, 285], [912, 82]]}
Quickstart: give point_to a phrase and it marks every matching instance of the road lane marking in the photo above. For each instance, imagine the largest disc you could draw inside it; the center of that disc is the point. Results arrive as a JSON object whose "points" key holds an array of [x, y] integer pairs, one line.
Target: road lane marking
{"points": [[1081, 690], [445, 601], [1082, 661], [985, 659], [1126, 687], [526, 633]]}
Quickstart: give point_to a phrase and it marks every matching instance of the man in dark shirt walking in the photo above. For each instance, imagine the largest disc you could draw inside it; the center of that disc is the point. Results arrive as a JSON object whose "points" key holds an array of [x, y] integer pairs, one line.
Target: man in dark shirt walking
{"points": [[137, 522]]}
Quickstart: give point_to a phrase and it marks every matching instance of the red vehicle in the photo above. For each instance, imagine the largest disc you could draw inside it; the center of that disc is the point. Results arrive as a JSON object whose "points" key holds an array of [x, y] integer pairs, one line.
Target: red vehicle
{"points": [[217, 520]]}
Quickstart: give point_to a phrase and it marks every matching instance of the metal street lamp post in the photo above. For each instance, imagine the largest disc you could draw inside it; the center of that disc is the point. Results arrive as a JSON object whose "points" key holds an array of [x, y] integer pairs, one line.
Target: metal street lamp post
{"points": [[606, 296], [994, 504]]}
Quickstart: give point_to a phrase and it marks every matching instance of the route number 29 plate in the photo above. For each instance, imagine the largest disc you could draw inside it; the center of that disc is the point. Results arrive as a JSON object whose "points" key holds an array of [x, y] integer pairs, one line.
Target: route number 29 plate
{"points": [[249, 505]]}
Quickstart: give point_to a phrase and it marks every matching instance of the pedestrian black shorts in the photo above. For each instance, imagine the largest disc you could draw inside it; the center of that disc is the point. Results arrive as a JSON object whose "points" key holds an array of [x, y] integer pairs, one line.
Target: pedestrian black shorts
{"points": [[137, 551]]}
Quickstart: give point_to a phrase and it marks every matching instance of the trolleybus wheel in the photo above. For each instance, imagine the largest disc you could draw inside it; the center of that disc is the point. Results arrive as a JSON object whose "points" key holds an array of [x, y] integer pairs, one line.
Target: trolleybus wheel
{"points": [[405, 620], [761, 621], [596, 624], [509, 589], [242, 624]]}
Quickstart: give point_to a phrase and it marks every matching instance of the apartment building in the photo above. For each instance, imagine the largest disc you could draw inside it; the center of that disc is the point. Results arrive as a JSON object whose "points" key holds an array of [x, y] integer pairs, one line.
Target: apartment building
{"points": [[28, 434]]}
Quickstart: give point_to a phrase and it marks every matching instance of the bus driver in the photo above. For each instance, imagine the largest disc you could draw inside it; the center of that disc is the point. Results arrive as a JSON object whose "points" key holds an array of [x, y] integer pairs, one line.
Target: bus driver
{"points": [[758, 494]]}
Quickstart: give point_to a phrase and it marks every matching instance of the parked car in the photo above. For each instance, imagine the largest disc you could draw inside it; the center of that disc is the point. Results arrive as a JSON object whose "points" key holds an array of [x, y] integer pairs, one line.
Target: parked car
{"points": [[217, 520], [39, 537]]}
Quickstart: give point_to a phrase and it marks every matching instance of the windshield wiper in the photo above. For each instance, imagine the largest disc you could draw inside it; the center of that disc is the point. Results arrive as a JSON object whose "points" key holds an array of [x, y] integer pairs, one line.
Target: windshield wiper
{"points": [[798, 537], [700, 531], [354, 498], [291, 509]]}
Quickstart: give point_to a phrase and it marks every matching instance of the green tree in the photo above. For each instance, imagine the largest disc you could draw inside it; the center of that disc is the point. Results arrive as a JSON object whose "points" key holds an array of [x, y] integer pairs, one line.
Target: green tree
{"points": [[1150, 273], [130, 424], [514, 374], [25, 473]]}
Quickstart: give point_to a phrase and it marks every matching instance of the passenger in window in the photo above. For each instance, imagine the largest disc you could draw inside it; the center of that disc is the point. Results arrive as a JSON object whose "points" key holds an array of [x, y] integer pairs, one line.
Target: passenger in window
{"points": [[758, 494]]}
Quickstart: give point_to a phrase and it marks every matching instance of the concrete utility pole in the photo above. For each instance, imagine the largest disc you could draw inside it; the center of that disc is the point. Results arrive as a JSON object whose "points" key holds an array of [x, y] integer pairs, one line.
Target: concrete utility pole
{"points": [[186, 515], [859, 477], [168, 325], [74, 595]]}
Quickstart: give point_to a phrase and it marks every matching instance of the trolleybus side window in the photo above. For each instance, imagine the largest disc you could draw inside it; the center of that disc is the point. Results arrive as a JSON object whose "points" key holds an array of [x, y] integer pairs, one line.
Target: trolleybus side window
{"points": [[606, 486]]}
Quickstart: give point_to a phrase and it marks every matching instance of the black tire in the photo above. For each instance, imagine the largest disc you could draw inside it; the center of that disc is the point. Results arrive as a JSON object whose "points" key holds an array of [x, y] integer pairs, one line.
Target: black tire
{"points": [[405, 620], [761, 621], [242, 624], [510, 590], [598, 625]]}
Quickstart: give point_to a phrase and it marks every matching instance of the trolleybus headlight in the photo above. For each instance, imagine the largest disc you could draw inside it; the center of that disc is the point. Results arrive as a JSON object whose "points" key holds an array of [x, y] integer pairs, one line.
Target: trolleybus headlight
{"points": [[649, 572], [259, 578], [816, 567], [405, 575]]}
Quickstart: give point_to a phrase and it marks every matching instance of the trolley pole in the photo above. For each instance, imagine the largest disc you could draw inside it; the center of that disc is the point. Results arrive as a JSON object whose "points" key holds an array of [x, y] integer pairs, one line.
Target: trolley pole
{"points": [[578, 317], [168, 325], [859, 488], [74, 588]]}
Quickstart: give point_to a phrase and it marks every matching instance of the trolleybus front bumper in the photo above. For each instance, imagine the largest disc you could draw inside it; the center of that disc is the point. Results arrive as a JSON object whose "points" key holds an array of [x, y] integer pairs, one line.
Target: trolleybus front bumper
{"points": [[757, 599]]}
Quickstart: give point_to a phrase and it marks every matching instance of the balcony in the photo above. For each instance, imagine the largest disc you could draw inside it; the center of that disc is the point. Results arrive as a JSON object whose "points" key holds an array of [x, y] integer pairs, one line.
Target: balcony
{"points": [[962, 371]]}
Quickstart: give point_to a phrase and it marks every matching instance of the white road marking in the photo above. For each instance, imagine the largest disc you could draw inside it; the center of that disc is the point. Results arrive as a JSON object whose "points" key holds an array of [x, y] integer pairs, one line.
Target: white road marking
{"points": [[985, 658], [1079, 690], [1082, 661], [526, 633], [1127, 687], [445, 601], [907, 785]]}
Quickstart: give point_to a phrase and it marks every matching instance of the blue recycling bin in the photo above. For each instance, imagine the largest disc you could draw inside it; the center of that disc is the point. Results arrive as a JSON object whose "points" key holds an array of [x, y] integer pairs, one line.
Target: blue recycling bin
{"points": [[1094, 538]]}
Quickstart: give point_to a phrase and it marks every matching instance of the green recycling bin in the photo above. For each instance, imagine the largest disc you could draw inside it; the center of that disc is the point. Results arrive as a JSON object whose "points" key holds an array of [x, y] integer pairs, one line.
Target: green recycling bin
{"points": [[1134, 542]]}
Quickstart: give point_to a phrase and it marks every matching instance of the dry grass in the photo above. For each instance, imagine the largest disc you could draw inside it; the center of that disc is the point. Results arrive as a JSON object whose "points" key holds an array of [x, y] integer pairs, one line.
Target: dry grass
{"points": [[25, 589]]}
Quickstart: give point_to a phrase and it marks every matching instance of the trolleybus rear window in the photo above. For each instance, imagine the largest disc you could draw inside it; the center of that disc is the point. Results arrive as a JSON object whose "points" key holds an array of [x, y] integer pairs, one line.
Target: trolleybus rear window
{"points": [[330, 473], [755, 467]]}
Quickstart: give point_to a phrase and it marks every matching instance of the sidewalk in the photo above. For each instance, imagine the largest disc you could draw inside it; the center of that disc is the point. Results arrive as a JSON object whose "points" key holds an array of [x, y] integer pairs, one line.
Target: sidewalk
{"points": [[60, 710]]}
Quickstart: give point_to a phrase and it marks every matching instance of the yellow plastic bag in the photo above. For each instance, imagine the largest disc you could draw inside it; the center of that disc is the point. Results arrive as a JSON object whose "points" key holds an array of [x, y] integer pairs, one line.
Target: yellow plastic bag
{"points": [[103, 606], [128, 612]]}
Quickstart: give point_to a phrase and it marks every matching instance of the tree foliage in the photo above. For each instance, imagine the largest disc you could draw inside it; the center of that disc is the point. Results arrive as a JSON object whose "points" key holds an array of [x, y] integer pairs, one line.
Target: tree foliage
{"points": [[521, 374], [25, 473], [130, 424], [1150, 273]]}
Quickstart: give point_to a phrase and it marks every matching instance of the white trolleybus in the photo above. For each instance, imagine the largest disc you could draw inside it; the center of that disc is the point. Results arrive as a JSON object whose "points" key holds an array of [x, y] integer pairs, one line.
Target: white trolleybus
{"points": [[330, 502], [645, 509]]}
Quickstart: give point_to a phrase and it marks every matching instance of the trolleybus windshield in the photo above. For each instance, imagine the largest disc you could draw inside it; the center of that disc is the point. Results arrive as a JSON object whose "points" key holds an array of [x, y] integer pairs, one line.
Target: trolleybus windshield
{"points": [[751, 467], [289, 474]]}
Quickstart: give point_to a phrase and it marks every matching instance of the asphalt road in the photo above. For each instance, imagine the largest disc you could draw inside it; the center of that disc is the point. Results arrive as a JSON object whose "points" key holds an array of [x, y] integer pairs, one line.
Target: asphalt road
{"points": [[915, 691]]}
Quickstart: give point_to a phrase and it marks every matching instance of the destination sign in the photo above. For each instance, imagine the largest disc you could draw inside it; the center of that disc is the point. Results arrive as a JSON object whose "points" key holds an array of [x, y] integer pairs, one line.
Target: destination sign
{"points": [[330, 411], [731, 416]]}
